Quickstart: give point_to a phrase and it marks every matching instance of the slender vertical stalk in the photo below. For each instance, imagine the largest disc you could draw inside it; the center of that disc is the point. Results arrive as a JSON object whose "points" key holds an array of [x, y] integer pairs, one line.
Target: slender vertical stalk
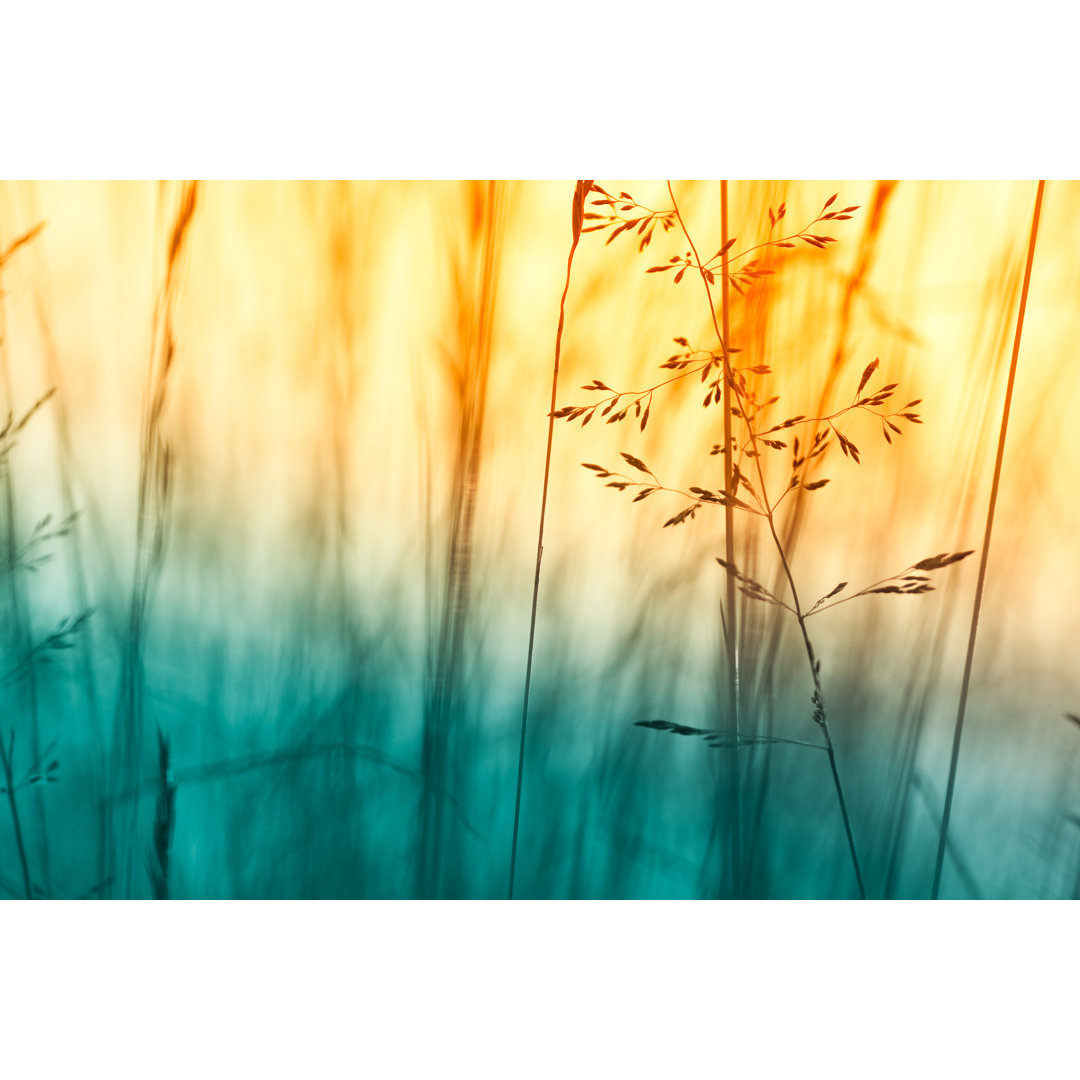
{"points": [[580, 192], [958, 730], [18, 601], [154, 497], [731, 621], [820, 716], [158, 862], [74, 549], [7, 753], [475, 326]]}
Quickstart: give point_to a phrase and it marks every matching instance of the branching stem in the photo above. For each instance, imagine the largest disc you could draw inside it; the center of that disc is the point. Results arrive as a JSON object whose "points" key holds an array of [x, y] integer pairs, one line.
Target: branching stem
{"points": [[820, 716]]}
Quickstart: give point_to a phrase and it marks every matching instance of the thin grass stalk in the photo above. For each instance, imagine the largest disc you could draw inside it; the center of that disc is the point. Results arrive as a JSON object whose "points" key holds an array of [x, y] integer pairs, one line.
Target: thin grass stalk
{"points": [[820, 716], [977, 607], [153, 511], [444, 691], [7, 754], [341, 372], [24, 644], [1076, 879], [929, 801], [909, 741], [18, 601], [758, 685], [582, 189], [73, 549], [796, 515], [340, 390], [159, 858], [911, 727], [1004, 280], [731, 619]]}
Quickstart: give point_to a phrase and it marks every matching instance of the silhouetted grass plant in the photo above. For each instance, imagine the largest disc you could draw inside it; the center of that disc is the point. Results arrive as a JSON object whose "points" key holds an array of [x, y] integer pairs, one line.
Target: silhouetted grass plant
{"points": [[581, 192], [283, 797], [746, 397], [29, 556], [37, 773]]}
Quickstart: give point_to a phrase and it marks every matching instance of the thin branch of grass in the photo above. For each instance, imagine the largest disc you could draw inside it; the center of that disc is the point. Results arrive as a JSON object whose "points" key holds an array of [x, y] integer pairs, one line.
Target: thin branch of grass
{"points": [[883, 193], [18, 614], [154, 499], [158, 861], [965, 684], [73, 549], [580, 192], [820, 716], [731, 621]]}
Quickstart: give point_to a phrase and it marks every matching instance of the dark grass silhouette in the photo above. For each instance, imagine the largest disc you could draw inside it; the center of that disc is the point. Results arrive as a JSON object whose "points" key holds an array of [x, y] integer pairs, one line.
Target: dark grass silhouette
{"points": [[282, 739], [730, 388]]}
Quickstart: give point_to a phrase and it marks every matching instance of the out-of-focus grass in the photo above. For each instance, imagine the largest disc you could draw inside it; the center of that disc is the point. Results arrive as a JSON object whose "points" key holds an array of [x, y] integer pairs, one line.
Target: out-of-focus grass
{"points": [[287, 653]]}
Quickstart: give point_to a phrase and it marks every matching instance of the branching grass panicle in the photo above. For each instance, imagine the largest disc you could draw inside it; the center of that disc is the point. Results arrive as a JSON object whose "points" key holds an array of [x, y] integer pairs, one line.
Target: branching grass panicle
{"points": [[745, 395]]}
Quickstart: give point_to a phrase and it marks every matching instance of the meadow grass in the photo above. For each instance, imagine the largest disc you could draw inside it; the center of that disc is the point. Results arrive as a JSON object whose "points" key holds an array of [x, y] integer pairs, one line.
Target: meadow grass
{"points": [[991, 507], [730, 388], [315, 667], [475, 277], [156, 470]]}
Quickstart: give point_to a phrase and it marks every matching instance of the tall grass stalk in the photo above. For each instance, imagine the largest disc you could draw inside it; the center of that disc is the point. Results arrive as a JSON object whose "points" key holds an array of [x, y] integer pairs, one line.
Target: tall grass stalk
{"points": [[74, 548], [472, 364], [19, 605], [731, 624], [18, 601], [991, 507], [577, 217], [159, 862], [988, 355], [729, 613], [731, 385], [154, 496], [7, 754]]}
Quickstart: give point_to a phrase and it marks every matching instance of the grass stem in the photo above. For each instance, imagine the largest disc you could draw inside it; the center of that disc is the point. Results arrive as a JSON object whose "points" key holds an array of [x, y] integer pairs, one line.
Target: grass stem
{"points": [[731, 621], [768, 510], [965, 684], [7, 754], [580, 192]]}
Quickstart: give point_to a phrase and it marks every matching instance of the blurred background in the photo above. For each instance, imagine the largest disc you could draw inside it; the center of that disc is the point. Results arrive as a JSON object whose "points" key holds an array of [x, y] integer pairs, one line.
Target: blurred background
{"points": [[291, 467]]}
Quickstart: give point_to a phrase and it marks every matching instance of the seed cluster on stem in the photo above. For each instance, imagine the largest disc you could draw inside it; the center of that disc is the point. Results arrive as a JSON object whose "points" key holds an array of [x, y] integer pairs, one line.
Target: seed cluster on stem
{"points": [[745, 486]]}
